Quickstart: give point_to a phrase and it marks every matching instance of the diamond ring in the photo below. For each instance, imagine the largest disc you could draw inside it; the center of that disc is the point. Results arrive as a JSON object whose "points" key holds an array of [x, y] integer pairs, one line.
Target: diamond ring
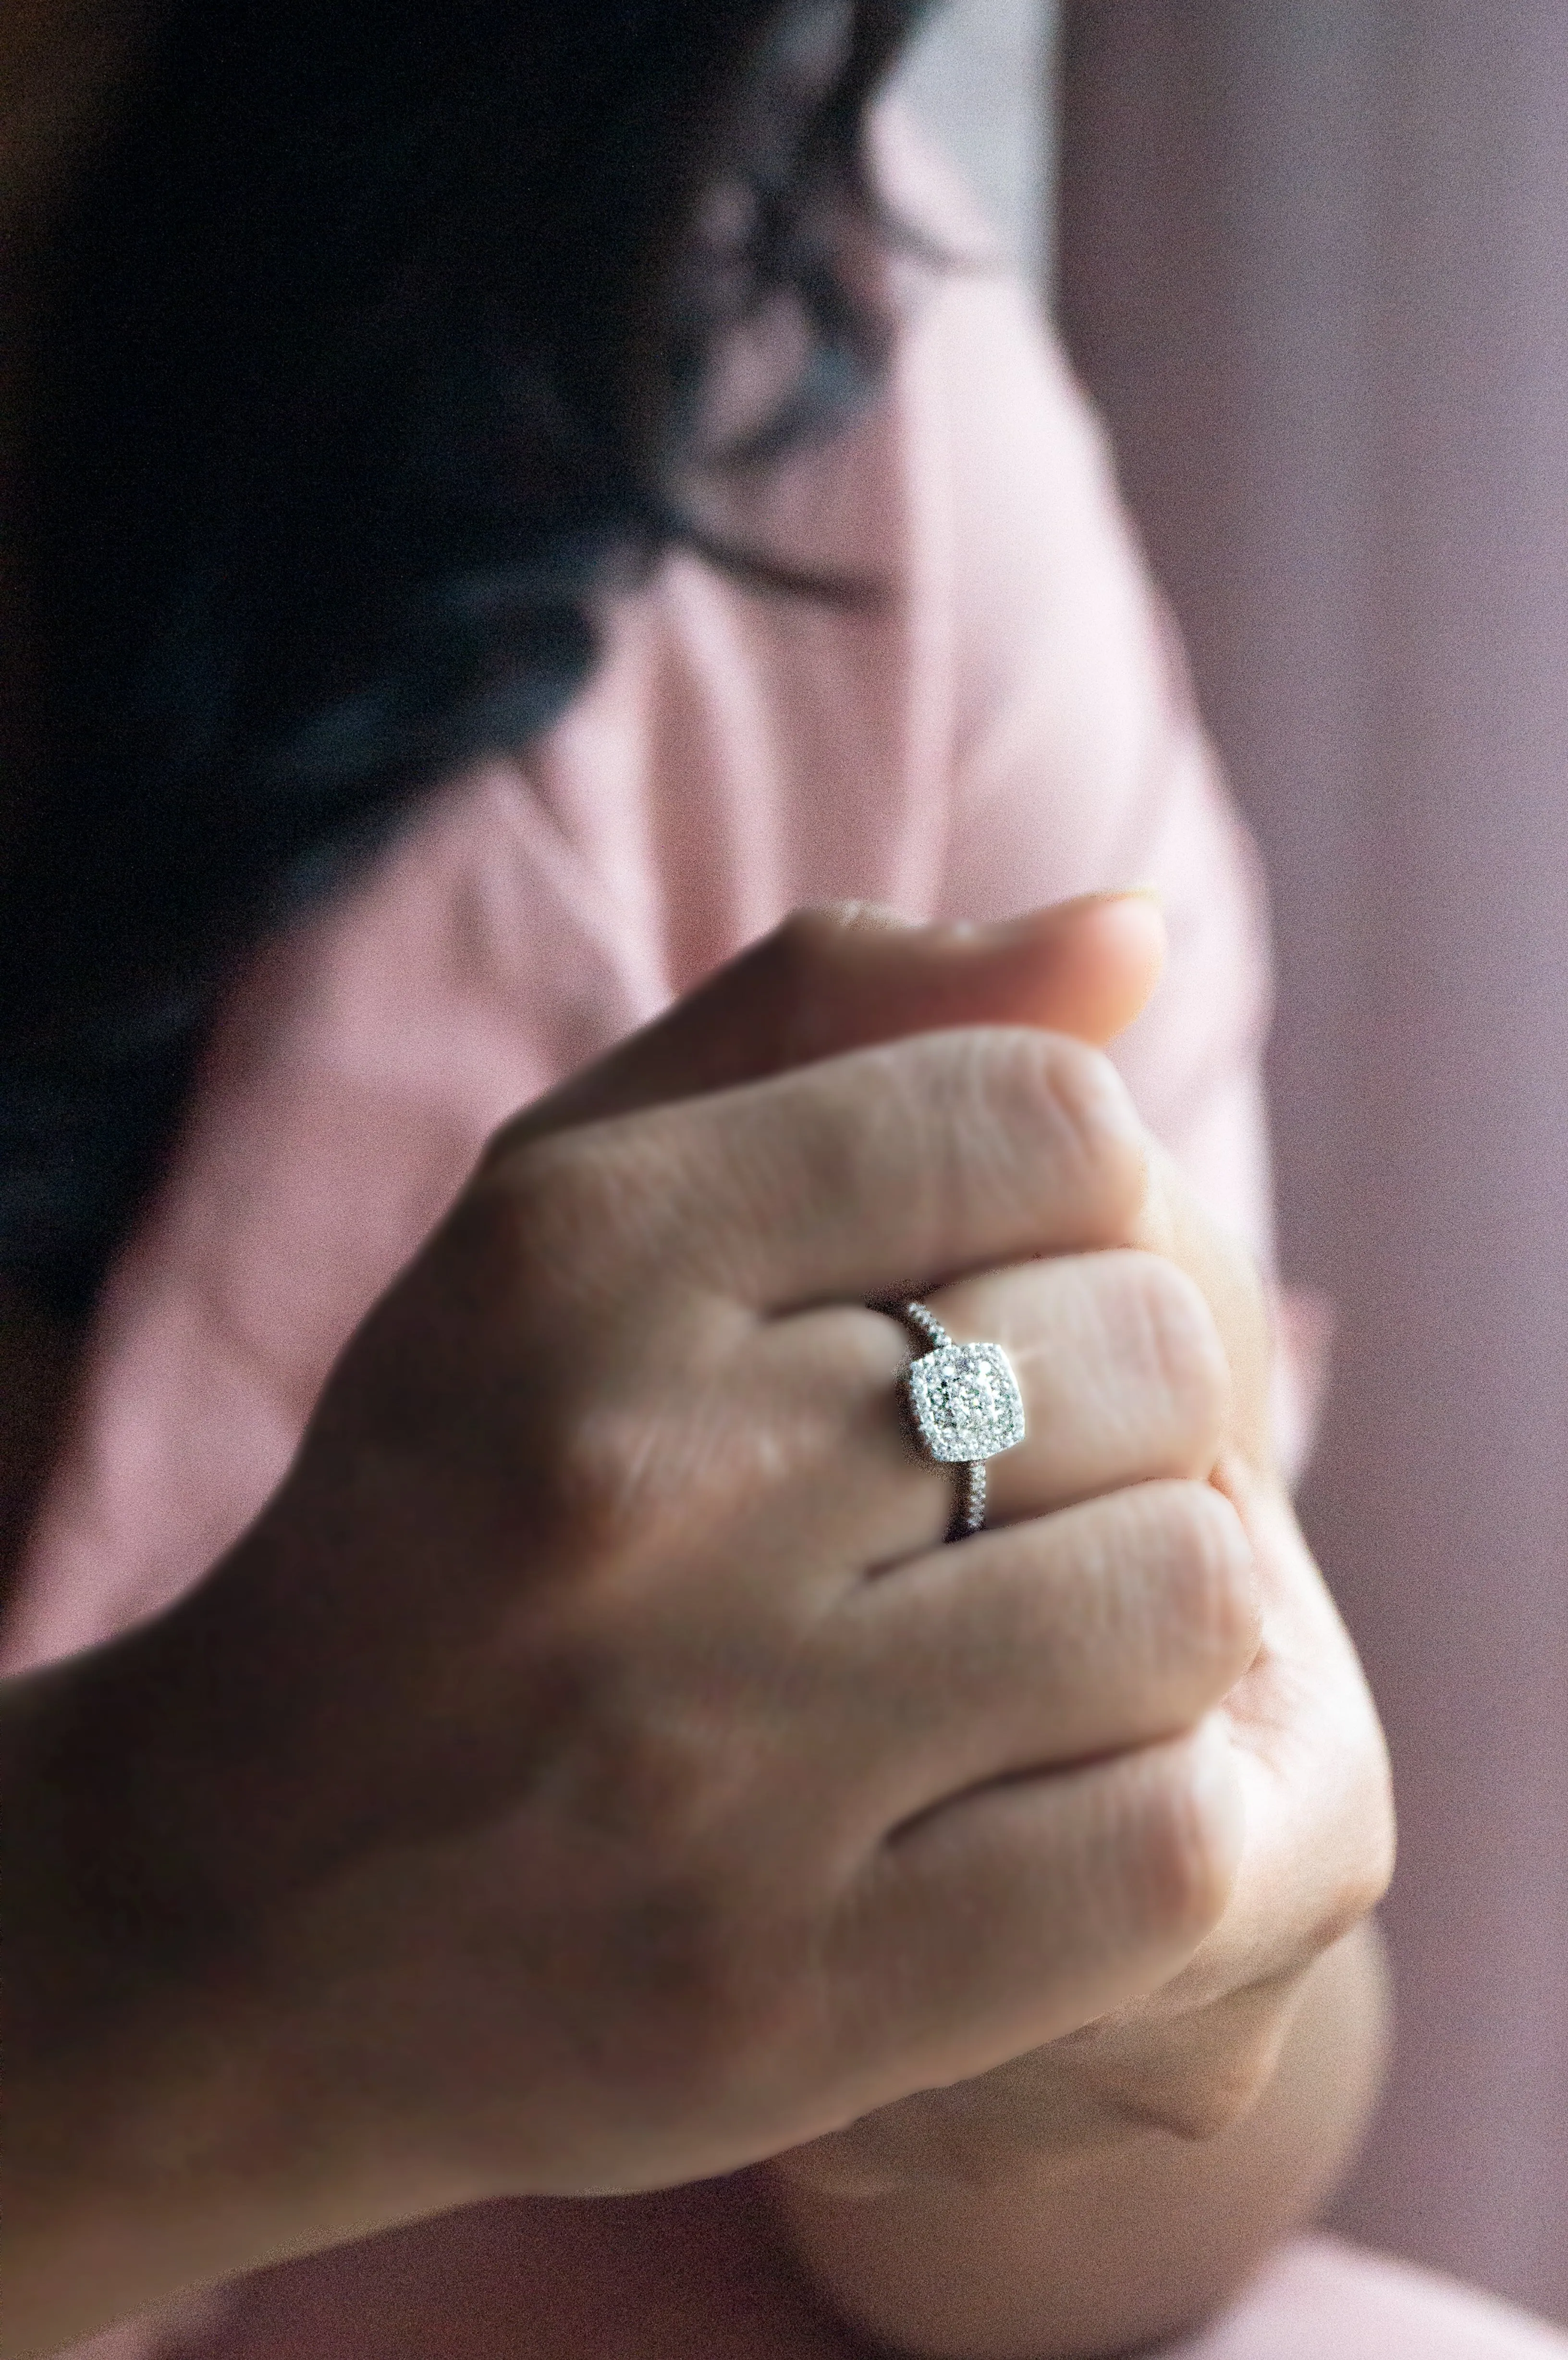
{"points": [[967, 1407]]}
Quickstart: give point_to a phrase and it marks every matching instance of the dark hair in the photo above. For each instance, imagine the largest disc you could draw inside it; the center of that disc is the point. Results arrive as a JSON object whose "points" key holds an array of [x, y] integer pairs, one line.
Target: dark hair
{"points": [[380, 345]]}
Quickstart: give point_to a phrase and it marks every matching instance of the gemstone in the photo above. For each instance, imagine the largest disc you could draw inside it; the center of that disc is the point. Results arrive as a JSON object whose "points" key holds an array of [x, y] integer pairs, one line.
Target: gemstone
{"points": [[965, 1401]]}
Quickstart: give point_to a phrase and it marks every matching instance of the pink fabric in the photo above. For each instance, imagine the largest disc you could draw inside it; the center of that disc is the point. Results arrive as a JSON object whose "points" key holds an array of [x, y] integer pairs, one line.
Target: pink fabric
{"points": [[1320, 2299], [681, 2277], [1014, 726]]}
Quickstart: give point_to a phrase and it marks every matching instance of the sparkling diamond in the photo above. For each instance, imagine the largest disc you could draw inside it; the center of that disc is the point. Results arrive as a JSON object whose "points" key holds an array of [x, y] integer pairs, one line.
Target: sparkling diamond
{"points": [[965, 1401]]}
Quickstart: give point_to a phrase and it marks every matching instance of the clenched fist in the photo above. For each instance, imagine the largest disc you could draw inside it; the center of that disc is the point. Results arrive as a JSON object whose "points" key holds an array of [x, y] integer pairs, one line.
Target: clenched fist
{"points": [[592, 1771]]}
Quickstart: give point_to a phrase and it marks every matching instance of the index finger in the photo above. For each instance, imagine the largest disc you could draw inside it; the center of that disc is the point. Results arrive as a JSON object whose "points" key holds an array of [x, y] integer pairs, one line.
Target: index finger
{"points": [[843, 977], [865, 1176]]}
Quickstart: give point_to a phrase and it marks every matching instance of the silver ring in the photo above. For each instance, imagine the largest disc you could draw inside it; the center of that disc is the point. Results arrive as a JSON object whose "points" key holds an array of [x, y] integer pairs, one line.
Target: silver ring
{"points": [[967, 1407]]}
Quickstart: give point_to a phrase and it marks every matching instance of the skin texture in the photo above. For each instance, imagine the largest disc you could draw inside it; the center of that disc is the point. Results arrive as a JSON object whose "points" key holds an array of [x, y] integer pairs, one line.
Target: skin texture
{"points": [[1108, 2190], [1002, 2244], [650, 1846]]}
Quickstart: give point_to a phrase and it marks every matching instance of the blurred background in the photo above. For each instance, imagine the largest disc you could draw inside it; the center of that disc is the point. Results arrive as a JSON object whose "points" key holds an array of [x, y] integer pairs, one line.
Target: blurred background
{"points": [[982, 79], [1313, 263]]}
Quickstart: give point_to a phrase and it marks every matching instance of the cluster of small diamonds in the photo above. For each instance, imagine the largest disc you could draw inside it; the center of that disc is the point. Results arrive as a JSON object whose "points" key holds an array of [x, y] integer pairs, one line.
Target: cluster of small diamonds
{"points": [[965, 1401]]}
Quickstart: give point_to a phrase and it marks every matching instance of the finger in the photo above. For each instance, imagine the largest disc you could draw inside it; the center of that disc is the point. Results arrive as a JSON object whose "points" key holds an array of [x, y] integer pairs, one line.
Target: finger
{"points": [[849, 977], [1014, 1914], [1173, 1222], [1321, 1827], [1120, 1366], [870, 1174], [1093, 1632]]}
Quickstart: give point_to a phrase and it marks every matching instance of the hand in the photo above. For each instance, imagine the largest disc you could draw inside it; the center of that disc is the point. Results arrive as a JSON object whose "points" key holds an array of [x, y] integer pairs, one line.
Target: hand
{"points": [[1319, 1823], [1194, 2055], [591, 1770]]}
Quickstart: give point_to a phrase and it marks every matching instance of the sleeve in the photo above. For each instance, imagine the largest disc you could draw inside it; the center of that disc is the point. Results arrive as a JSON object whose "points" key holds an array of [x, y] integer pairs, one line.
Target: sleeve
{"points": [[1077, 758]]}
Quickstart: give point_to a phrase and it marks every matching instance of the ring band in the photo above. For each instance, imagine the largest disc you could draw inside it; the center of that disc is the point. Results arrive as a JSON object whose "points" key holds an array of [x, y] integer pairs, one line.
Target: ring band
{"points": [[967, 1407]]}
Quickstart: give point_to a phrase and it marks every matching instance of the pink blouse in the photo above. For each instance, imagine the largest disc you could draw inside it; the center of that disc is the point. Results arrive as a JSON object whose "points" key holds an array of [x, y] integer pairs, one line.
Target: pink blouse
{"points": [[1012, 724]]}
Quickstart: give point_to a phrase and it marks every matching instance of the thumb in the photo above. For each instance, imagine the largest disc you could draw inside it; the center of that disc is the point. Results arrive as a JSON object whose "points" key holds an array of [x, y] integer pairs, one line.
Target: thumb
{"points": [[850, 975]]}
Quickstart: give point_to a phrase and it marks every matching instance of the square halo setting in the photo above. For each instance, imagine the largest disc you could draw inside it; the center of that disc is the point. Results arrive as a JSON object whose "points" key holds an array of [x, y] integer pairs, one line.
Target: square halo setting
{"points": [[965, 1401]]}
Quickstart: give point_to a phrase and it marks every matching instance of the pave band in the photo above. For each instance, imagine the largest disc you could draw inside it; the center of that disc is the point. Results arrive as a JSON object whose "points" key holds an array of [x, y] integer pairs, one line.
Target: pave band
{"points": [[965, 1405]]}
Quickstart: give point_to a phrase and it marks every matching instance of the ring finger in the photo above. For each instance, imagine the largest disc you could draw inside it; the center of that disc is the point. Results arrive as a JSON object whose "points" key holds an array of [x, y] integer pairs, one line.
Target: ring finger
{"points": [[1118, 1362]]}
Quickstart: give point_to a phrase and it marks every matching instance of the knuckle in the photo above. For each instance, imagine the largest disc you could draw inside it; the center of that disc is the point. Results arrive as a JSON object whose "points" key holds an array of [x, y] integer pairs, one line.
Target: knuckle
{"points": [[1198, 2112], [1197, 2101], [1065, 1110], [1382, 1856], [508, 1240], [808, 939], [1208, 1575], [673, 1461], [1188, 1839], [607, 1490], [800, 1009], [802, 938], [1364, 1878], [793, 970], [1170, 1334]]}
